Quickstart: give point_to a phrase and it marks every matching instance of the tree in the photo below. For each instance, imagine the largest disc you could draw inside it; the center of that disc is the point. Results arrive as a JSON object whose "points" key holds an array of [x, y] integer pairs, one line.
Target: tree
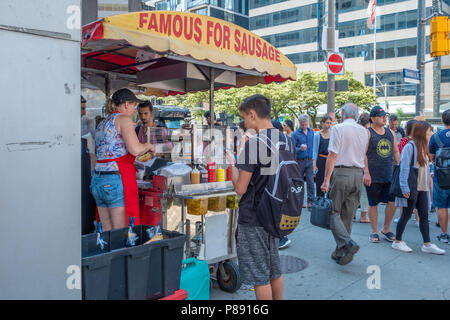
{"points": [[290, 97]]}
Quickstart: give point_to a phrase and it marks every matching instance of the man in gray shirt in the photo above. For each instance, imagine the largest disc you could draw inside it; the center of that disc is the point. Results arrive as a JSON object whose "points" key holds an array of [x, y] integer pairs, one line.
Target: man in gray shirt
{"points": [[347, 148]]}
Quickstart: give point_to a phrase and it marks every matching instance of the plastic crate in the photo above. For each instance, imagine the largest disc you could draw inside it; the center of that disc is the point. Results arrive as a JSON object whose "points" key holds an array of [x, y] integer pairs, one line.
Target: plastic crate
{"points": [[145, 271], [195, 279]]}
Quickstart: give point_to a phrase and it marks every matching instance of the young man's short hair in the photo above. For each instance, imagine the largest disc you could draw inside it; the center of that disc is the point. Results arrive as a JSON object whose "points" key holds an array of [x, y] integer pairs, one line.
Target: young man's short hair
{"points": [[260, 104], [393, 117], [446, 117], [146, 104]]}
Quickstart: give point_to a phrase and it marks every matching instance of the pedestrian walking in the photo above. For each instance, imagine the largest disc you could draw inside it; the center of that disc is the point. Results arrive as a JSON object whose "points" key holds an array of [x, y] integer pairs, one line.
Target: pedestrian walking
{"points": [[346, 151], [303, 139], [381, 153], [364, 120], [257, 250], [393, 125], [288, 127], [441, 197], [320, 152], [417, 151]]}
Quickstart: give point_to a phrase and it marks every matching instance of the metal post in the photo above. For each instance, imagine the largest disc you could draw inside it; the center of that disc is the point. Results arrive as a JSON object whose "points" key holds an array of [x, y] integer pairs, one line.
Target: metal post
{"points": [[330, 48], [211, 111], [375, 55], [436, 71], [420, 95]]}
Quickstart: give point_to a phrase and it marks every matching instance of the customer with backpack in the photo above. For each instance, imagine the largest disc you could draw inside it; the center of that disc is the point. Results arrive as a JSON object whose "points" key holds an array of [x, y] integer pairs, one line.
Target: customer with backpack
{"points": [[415, 192], [267, 157], [439, 149], [346, 151]]}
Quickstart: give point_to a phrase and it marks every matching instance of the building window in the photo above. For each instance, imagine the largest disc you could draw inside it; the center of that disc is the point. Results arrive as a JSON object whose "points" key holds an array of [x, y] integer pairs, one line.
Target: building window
{"points": [[292, 38], [262, 3], [394, 84], [445, 75], [282, 17]]}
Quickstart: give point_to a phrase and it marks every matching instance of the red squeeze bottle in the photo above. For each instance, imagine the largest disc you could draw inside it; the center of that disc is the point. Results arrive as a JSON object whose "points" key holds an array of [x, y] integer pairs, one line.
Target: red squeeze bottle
{"points": [[211, 166], [229, 173]]}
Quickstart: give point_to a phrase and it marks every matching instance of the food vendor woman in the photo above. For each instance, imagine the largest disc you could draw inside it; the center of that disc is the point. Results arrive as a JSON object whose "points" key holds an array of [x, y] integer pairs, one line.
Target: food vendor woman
{"points": [[114, 184]]}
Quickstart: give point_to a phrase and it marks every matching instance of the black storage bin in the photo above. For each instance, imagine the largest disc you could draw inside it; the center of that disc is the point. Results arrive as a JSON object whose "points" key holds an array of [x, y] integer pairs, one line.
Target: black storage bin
{"points": [[145, 271]]}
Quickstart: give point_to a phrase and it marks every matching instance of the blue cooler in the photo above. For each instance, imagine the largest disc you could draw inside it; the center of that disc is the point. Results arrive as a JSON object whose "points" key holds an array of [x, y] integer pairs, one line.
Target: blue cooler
{"points": [[195, 279]]}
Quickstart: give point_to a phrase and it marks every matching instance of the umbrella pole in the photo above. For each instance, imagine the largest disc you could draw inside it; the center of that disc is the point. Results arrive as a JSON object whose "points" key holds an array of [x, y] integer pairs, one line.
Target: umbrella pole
{"points": [[211, 110]]}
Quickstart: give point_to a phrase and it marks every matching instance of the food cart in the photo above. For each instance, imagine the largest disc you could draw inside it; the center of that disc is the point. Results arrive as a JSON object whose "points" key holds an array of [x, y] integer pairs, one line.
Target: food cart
{"points": [[165, 53]]}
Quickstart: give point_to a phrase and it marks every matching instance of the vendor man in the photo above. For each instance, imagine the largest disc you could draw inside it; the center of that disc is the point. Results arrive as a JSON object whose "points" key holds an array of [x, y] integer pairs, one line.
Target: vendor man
{"points": [[157, 134]]}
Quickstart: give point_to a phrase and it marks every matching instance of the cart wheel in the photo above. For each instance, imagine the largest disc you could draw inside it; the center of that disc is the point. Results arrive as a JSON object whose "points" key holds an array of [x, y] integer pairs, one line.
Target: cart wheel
{"points": [[230, 279]]}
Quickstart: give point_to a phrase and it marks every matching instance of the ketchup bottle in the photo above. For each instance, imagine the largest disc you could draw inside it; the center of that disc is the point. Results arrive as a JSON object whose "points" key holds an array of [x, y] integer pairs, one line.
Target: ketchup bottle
{"points": [[211, 166], [229, 172]]}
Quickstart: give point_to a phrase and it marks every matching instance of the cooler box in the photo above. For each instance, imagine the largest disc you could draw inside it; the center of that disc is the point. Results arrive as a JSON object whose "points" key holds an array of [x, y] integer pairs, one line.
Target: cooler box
{"points": [[149, 208], [195, 279]]}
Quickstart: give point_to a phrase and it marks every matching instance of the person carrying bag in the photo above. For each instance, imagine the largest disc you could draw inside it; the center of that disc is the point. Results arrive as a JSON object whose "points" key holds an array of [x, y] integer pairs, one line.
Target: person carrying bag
{"points": [[321, 211]]}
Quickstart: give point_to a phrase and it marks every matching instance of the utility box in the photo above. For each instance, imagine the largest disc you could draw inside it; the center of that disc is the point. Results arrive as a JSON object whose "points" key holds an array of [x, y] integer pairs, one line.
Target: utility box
{"points": [[40, 147]]}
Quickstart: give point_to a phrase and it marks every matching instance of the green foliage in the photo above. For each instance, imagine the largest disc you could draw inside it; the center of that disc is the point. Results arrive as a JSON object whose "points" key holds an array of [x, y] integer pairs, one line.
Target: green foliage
{"points": [[291, 97]]}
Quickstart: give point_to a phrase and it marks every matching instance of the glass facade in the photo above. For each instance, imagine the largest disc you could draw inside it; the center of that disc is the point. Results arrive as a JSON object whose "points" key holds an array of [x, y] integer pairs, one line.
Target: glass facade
{"points": [[352, 5], [239, 6], [230, 17], [261, 3], [293, 37], [395, 86], [286, 16], [445, 75], [385, 50], [306, 57], [168, 5]]}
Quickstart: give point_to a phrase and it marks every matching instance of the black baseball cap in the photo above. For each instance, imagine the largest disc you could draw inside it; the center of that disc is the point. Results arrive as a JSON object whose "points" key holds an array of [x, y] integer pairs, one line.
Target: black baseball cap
{"points": [[377, 111], [124, 95]]}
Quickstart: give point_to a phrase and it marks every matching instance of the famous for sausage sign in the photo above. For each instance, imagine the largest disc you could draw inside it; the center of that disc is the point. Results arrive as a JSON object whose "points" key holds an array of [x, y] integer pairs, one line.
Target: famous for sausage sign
{"points": [[199, 36]]}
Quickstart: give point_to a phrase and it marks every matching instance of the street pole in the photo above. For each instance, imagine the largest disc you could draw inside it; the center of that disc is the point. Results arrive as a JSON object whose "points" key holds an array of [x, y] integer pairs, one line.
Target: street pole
{"points": [[436, 71], [420, 94], [375, 55], [330, 48]]}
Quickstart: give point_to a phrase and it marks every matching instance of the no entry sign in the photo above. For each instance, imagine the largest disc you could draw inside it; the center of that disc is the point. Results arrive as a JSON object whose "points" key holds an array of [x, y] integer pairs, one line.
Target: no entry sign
{"points": [[335, 63]]}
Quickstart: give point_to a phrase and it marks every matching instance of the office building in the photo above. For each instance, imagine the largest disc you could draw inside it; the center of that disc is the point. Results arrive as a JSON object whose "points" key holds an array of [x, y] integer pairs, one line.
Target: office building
{"points": [[234, 11], [295, 27]]}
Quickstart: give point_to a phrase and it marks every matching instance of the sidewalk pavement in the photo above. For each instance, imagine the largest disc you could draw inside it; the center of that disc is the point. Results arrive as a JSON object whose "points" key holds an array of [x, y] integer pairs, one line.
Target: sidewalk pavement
{"points": [[405, 276]]}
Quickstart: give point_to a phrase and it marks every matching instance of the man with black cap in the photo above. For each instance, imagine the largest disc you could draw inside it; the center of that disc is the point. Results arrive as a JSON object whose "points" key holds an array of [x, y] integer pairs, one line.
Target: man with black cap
{"points": [[379, 161]]}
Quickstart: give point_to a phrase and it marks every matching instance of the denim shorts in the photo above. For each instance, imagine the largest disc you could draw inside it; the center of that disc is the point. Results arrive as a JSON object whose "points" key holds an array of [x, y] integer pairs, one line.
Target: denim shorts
{"points": [[441, 197], [108, 190]]}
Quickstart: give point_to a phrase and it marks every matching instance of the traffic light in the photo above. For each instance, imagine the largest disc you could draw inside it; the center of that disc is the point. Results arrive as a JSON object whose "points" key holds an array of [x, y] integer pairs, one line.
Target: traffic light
{"points": [[440, 43]]}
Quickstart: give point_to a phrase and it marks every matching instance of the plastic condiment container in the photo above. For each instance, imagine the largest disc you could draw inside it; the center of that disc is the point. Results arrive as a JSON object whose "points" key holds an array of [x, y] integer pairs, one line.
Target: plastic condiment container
{"points": [[218, 203], [199, 206]]}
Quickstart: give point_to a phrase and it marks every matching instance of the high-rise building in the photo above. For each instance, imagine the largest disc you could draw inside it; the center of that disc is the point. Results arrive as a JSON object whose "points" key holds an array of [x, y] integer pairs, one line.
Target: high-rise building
{"points": [[234, 11], [295, 27]]}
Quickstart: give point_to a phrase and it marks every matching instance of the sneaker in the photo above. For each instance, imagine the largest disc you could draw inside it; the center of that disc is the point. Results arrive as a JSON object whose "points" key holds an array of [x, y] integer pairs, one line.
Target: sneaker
{"points": [[401, 246], [284, 243], [433, 249], [443, 237]]}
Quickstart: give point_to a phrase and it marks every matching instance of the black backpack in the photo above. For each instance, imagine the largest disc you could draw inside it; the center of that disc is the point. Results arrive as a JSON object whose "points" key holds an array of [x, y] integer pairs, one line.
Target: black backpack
{"points": [[280, 205], [442, 164]]}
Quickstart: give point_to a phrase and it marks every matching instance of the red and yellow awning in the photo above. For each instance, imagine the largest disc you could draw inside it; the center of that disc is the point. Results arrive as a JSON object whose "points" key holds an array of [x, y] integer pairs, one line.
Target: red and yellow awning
{"points": [[115, 43]]}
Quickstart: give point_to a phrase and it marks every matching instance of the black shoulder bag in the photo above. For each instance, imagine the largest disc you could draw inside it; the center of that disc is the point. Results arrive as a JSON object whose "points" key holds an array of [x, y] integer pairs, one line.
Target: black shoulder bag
{"points": [[412, 181]]}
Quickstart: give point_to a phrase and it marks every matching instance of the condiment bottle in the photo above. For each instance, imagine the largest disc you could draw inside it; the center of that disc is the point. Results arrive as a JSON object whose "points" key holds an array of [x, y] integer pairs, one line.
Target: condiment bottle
{"points": [[220, 174], [203, 176], [211, 166], [229, 173], [195, 176]]}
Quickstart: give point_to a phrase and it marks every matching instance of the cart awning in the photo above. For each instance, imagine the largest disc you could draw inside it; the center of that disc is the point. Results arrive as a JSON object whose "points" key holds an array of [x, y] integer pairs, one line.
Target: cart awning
{"points": [[143, 45]]}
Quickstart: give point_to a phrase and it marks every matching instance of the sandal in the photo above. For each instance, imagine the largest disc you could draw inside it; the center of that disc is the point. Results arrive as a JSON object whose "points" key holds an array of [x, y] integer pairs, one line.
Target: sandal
{"points": [[364, 221], [389, 236], [374, 238]]}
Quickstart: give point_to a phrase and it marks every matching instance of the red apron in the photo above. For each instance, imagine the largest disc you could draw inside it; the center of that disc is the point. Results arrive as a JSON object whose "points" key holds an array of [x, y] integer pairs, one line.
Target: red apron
{"points": [[130, 187]]}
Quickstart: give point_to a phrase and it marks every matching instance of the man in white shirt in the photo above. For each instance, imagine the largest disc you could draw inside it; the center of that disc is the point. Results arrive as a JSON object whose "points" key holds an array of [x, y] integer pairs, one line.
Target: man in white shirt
{"points": [[347, 148]]}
